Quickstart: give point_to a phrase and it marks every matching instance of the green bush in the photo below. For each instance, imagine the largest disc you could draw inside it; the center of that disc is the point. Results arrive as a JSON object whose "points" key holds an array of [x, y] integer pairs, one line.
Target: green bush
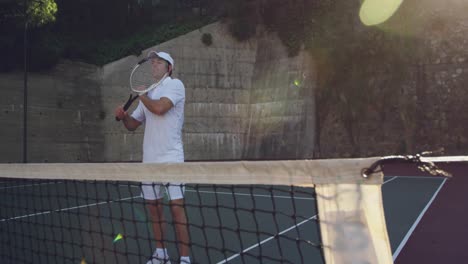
{"points": [[242, 19], [108, 50], [48, 45], [207, 39]]}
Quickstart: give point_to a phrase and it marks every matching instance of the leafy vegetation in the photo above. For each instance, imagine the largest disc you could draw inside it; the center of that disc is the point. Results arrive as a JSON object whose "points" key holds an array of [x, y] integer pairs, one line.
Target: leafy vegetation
{"points": [[358, 68], [207, 39], [94, 31], [41, 12], [360, 71]]}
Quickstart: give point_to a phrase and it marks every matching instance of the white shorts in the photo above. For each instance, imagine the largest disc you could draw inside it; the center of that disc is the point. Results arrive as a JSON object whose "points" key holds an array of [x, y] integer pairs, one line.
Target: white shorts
{"points": [[153, 191]]}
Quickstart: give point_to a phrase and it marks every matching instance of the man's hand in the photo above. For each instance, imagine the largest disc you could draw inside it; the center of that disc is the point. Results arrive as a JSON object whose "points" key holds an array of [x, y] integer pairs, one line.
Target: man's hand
{"points": [[120, 113], [129, 122]]}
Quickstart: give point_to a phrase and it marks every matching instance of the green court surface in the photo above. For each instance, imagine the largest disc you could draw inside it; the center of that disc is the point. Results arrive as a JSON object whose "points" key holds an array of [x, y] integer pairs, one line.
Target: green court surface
{"points": [[406, 199], [79, 222]]}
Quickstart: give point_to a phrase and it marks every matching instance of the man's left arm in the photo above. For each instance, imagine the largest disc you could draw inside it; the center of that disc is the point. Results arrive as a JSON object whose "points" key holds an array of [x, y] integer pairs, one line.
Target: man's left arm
{"points": [[157, 107]]}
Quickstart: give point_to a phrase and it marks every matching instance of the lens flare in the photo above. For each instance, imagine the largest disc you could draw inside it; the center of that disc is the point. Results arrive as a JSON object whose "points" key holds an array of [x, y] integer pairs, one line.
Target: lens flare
{"points": [[297, 83], [374, 12]]}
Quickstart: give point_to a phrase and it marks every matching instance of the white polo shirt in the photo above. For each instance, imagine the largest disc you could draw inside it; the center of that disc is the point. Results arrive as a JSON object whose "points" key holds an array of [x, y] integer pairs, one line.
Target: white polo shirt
{"points": [[163, 134]]}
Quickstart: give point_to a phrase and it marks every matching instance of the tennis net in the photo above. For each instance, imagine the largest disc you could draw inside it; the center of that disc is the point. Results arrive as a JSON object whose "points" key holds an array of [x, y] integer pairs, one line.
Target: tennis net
{"points": [[307, 211]]}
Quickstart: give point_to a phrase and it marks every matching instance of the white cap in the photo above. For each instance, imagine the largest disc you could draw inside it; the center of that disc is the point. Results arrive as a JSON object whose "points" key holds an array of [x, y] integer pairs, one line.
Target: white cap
{"points": [[163, 55]]}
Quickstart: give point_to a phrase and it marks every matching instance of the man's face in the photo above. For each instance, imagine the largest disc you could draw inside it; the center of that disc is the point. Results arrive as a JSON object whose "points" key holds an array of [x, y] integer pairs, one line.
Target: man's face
{"points": [[159, 68]]}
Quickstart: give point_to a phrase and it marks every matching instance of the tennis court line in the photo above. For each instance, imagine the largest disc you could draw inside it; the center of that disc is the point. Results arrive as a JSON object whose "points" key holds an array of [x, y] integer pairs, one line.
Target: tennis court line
{"points": [[416, 222], [242, 194], [28, 185], [389, 180], [66, 209], [128, 198], [254, 195], [266, 240], [282, 232], [419, 177]]}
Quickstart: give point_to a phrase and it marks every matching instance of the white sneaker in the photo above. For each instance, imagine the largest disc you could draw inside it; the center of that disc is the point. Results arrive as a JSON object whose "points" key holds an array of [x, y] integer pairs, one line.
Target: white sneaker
{"points": [[185, 260], [157, 260]]}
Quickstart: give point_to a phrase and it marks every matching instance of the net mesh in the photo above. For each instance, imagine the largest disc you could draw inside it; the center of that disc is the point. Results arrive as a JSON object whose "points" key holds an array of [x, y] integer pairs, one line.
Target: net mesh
{"points": [[236, 212]]}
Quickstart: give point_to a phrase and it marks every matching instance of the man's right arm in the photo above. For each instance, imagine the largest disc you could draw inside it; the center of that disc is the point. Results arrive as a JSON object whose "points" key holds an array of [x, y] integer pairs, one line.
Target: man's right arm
{"points": [[129, 122]]}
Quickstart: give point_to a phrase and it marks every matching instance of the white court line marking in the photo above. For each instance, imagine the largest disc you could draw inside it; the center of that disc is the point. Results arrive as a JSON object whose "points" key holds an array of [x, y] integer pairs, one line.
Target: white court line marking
{"points": [[412, 177], [420, 177], [266, 240], [411, 230], [255, 195], [282, 232], [244, 194], [28, 185], [66, 209], [389, 180]]}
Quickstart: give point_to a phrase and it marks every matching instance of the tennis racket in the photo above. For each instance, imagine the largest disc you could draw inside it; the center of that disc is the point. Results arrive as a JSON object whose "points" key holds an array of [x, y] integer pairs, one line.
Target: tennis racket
{"points": [[141, 81]]}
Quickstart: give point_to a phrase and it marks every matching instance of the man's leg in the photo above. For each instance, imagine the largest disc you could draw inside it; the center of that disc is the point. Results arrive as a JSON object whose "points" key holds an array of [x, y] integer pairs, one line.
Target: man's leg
{"points": [[158, 221], [151, 192], [180, 221]]}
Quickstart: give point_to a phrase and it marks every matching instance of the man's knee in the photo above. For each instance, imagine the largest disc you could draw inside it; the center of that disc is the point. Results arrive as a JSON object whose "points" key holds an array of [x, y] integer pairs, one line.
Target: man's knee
{"points": [[155, 206], [177, 208]]}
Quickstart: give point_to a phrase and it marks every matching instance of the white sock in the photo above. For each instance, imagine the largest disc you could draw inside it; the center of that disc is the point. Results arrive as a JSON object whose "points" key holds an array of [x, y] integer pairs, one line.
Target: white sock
{"points": [[185, 260], [161, 253]]}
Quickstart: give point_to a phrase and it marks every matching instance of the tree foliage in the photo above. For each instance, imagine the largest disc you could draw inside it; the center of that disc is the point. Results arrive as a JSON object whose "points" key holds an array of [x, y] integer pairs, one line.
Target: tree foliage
{"points": [[359, 70], [36, 13], [365, 71], [243, 18], [93, 31], [41, 12], [15, 18]]}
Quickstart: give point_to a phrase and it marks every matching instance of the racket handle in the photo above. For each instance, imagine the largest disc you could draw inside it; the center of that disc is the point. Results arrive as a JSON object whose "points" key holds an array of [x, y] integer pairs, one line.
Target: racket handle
{"points": [[127, 104]]}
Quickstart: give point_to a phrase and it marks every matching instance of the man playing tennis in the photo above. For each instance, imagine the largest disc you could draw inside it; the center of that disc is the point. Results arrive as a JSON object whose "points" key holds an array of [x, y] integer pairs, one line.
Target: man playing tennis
{"points": [[162, 111]]}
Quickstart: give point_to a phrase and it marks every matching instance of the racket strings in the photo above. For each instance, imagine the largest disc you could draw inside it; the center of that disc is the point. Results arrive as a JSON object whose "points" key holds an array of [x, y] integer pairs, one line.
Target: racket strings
{"points": [[142, 78]]}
